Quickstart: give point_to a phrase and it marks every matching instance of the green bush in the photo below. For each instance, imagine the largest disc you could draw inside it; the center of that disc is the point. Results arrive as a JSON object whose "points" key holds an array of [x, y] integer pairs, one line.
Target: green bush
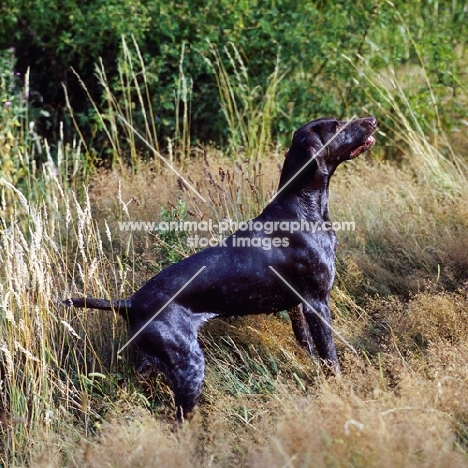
{"points": [[13, 116], [308, 41]]}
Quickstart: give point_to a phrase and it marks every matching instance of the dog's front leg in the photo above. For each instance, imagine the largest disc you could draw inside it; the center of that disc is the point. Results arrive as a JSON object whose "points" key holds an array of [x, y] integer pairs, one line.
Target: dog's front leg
{"points": [[317, 313]]}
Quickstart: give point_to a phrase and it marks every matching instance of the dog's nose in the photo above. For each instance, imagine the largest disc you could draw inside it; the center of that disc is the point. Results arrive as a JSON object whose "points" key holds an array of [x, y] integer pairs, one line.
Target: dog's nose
{"points": [[370, 122]]}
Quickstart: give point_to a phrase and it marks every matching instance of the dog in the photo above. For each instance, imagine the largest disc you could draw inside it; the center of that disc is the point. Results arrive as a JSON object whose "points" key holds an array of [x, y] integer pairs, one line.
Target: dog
{"points": [[295, 273]]}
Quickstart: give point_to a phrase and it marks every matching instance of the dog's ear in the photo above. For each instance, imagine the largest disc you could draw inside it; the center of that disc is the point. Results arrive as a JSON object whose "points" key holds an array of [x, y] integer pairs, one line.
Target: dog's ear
{"points": [[312, 144]]}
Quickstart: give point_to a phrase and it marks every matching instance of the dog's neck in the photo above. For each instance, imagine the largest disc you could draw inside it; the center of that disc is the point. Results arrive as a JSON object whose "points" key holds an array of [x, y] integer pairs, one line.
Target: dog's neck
{"points": [[314, 198], [307, 191]]}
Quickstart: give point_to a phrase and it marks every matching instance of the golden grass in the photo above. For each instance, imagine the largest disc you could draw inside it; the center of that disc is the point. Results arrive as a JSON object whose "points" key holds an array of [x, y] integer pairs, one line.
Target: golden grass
{"points": [[400, 299], [400, 296], [404, 408]]}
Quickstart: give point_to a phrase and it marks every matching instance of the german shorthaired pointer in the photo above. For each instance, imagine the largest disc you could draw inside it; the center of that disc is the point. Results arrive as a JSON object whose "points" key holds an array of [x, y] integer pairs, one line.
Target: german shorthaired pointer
{"points": [[235, 278]]}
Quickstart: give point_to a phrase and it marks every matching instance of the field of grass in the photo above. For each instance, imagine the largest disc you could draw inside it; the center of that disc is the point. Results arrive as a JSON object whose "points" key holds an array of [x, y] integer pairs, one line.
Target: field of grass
{"points": [[400, 298]]}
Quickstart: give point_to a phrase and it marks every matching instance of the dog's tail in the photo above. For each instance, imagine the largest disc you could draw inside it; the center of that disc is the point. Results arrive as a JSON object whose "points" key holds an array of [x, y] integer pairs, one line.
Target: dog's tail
{"points": [[122, 306]]}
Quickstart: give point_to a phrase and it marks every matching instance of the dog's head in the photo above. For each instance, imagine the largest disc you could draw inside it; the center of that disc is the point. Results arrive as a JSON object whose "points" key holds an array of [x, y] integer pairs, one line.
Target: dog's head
{"points": [[331, 142]]}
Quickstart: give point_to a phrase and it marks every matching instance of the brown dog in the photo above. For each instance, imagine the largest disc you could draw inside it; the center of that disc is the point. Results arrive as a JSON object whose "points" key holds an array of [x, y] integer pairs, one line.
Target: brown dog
{"points": [[237, 279]]}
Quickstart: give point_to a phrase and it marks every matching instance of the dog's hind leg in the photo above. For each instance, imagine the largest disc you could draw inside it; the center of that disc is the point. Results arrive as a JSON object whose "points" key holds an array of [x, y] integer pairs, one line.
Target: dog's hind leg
{"points": [[301, 329], [171, 344], [187, 374]]}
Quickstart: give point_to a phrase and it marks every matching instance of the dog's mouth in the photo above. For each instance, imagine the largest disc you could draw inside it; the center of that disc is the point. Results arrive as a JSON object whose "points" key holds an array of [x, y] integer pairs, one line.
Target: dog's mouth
{"points": [[369, 143]]}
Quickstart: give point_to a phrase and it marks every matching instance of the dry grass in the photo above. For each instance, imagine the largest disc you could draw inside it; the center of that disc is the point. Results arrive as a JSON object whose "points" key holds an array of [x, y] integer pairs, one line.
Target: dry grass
{"points": [[400, 299]]}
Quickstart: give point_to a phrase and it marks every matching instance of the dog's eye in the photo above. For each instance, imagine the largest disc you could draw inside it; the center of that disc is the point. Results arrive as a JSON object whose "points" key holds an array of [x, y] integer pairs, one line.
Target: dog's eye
{"points": [[338, 127]]}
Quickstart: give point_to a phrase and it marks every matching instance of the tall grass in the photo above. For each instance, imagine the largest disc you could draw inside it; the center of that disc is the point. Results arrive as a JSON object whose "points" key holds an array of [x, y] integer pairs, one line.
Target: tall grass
{"points": [[249, 110], [432, 156], [52, 359], [400, 298], [129, 98]]}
